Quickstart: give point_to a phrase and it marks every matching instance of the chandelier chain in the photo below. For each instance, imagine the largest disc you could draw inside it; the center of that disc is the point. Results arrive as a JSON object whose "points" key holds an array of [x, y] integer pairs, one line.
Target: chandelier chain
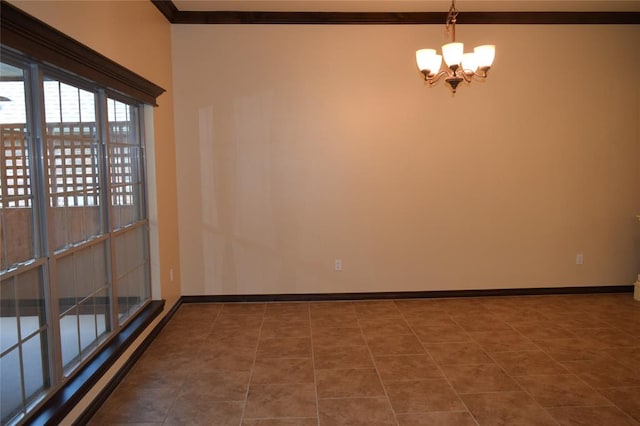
{"points": [[450, 26]]}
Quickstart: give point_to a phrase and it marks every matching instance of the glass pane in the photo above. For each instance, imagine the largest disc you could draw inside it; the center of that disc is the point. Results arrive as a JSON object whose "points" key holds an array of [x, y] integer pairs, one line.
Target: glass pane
{"points": [[9, 317], [103, 312], [16, 204], [30, 295], [10, 387], [34, 358], [66, 281], [73, 153], [80, 274], [70, 339], [87, 321], [123, 122], [99, 261], [83, 262], [124, 163], [132, 266]]}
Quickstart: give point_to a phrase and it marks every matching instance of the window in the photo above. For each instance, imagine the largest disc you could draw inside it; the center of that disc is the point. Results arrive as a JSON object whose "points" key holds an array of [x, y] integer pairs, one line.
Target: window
{"points": [[74, 254]]}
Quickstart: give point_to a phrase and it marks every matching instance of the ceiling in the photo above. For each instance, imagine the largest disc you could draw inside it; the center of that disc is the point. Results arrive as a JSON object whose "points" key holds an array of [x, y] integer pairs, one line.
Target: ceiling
{"points": [[408, 5]]}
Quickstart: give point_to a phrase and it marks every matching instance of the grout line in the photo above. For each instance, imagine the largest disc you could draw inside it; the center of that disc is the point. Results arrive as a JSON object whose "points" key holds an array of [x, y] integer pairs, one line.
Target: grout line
{"points": [[255, 356], [313, 367]]}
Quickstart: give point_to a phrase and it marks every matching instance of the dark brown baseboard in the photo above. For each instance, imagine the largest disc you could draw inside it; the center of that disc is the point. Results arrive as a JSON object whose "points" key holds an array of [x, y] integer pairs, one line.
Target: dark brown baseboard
{"points": [[312, 297]]}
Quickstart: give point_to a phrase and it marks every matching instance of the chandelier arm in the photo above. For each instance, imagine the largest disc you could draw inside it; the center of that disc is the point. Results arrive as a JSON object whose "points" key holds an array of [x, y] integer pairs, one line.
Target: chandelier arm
{"points": [[435, 78], [481, 76]]}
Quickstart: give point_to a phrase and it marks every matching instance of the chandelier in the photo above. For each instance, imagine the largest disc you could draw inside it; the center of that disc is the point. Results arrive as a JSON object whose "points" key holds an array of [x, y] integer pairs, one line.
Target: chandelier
{"points": [[460, 66]]}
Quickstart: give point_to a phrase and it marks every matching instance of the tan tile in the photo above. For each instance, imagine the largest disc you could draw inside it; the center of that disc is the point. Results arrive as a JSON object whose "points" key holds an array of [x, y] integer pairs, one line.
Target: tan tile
{"points": [[570, 349], [464, 306], [542, 330], [181, 345], [608, 337], [309, 421], [604, 372], [289, 400], [95, 422], [450, 418], [627, 356], [395, 345], [479, 378], [407, 367], [376, 308], [288, 347], [238, 341], [517, 314], [343, 357], [333, 321], [507, 408], [420, 306], [355, 412], [282, 370], [526, 363], [281, 320], [199, 312], [384, 326], [224, 359], [243, 308], [220, 385], [331, 308], [423, 396], [237, 321], [217, 333], [429, 319], [591, 416], [561, 390], [332, 337], [290, 310], [485, 322], [274, 330], [348, 383], [202, 411], [137, 405], [502, 341], [185, 330], [627, 399], [441, 333], [582, 321], [158, 374], [458, 353]]}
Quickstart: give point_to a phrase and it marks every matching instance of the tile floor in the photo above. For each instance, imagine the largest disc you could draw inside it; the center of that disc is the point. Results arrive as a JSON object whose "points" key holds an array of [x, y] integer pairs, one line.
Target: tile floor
{"points": [[533, 360]]}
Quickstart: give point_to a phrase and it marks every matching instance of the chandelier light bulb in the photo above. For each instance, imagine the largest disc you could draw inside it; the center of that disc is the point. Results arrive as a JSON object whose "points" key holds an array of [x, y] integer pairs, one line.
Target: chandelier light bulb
{"points": [[485, 55], [452, 53], [436, 62], [424, 59], [469, 63]]}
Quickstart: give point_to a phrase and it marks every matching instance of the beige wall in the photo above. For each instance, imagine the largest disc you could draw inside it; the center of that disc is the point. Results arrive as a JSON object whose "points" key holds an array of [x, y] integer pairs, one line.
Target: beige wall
{"points": [[303, 144], [137, 36]]}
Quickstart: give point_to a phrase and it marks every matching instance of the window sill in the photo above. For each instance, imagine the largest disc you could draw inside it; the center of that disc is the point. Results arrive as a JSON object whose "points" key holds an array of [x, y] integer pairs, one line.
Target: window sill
{"points": [[61, 402]]}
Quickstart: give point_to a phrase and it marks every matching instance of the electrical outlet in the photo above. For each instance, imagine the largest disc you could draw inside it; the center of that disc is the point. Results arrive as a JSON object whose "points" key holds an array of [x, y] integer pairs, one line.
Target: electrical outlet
{"points": [[171, 274], [579, 259], [337, 266]]}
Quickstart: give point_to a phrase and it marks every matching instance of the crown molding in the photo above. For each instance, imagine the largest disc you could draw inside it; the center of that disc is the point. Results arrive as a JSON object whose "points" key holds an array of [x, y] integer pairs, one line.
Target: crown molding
{"points": [[175, 16]]}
